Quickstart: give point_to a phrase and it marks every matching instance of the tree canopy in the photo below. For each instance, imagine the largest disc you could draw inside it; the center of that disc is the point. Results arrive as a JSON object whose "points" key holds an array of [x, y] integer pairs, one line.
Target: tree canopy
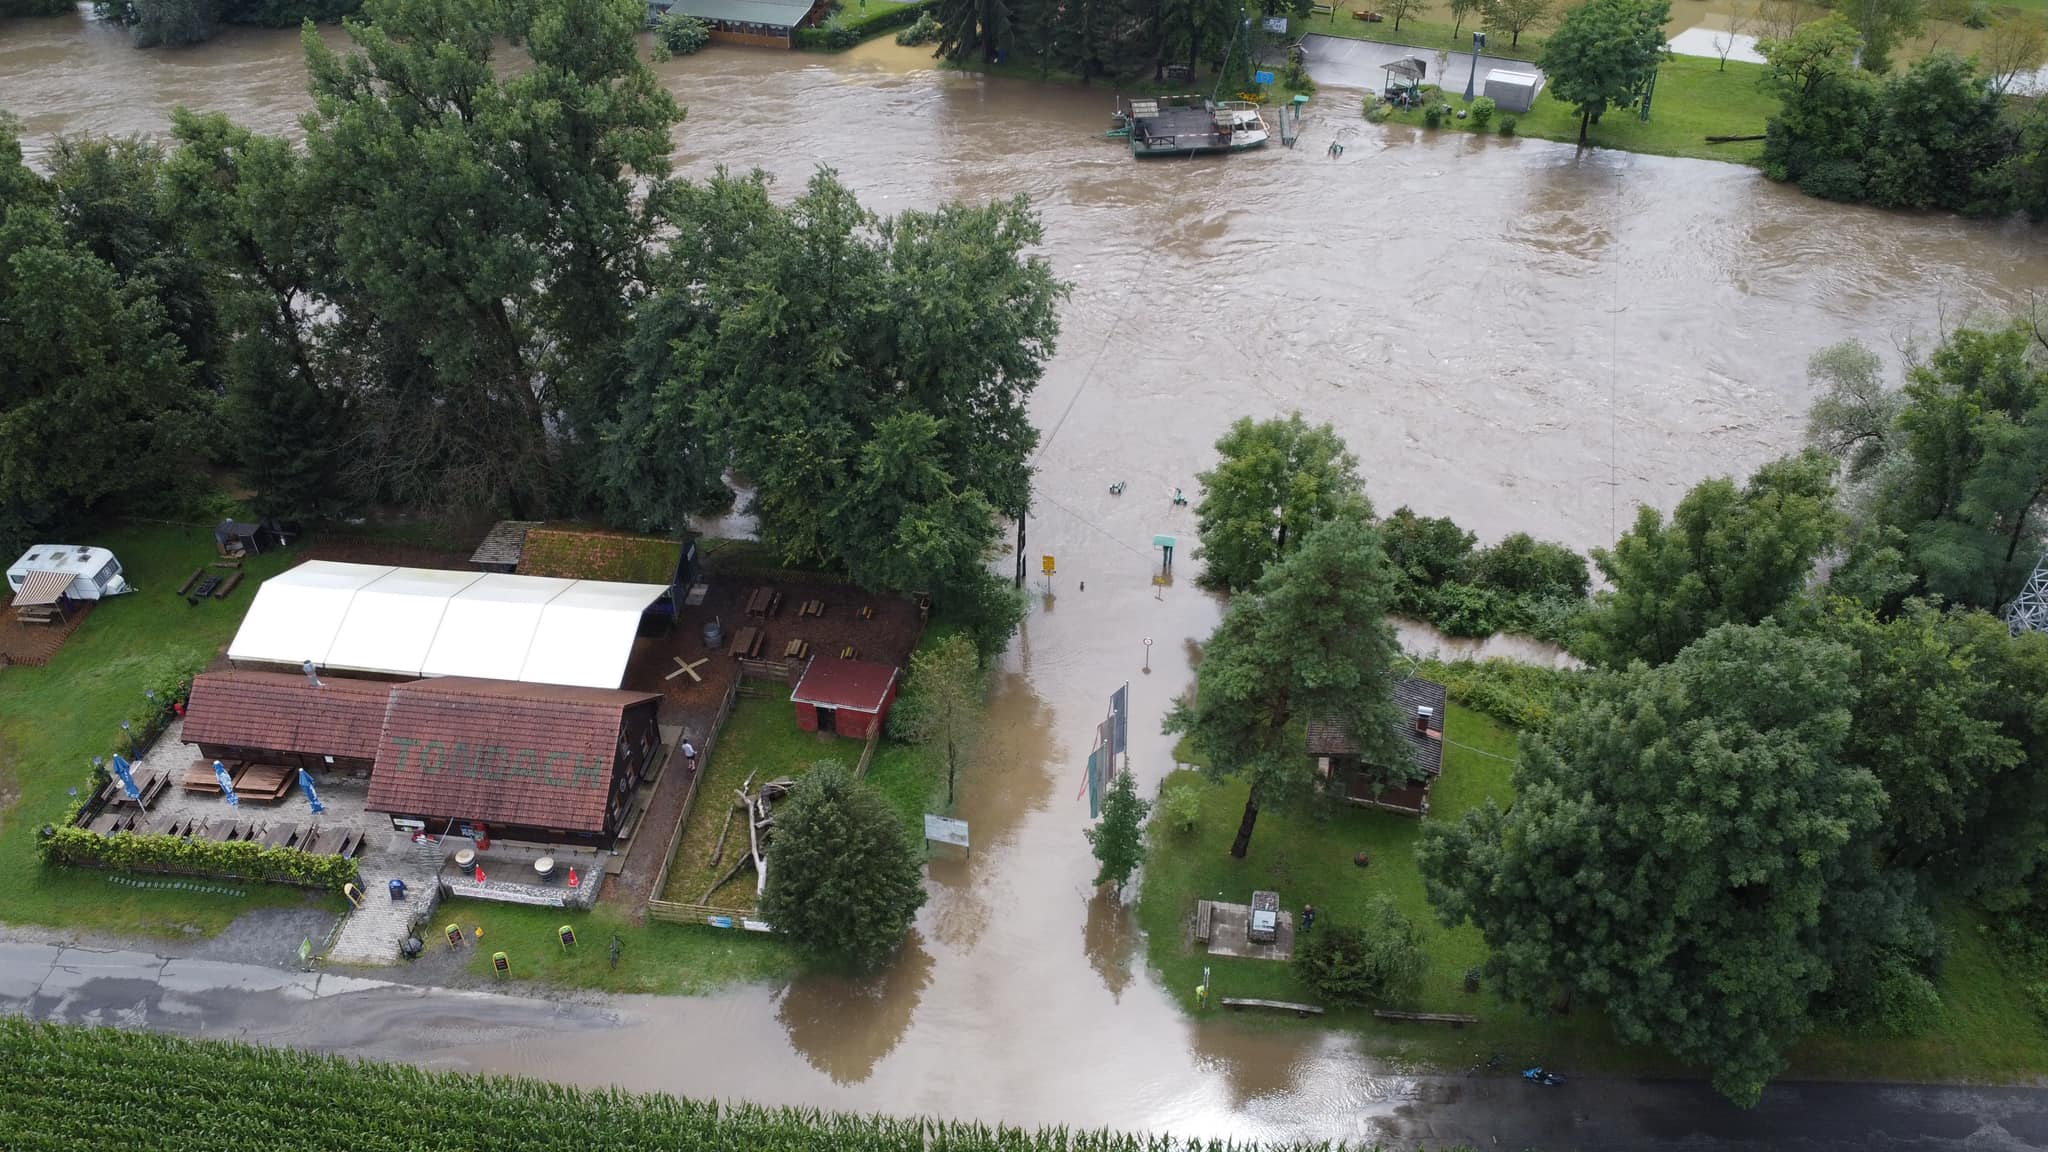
{"points": [[1310, 640], [1118, 841], [1691, 847], [1604, 54], [1728, 555], [844, 879], [1276, 479]]}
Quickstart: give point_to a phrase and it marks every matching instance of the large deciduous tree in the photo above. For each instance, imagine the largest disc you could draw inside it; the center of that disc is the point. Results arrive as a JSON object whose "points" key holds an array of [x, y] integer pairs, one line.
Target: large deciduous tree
{"points": [[1515, 17], [1690, 849], [97, 402], [1728, 556], [941, 700], [1961, 472], [1940, 130], [1309, 641], [1118, 841], [844, 879], [1882, 26], [1821, 130], [490, 225], [868, 377], [1276, 480], [1604, 53]]}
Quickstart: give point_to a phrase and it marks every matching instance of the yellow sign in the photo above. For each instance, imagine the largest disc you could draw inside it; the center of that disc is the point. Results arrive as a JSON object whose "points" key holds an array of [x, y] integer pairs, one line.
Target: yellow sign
{"points": [[1045, 565]]}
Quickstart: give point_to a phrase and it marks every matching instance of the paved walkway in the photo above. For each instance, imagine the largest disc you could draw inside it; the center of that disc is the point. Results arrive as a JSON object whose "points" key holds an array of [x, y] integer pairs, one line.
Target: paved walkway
{"points": [[1347, 63], [372, 933]]}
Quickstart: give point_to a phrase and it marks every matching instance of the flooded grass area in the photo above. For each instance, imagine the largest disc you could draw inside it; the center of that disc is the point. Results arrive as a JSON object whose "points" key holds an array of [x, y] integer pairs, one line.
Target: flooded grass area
{"points": [[761, 739], [669, 959], [55, 719], [1307, 859], [1694, 100]]}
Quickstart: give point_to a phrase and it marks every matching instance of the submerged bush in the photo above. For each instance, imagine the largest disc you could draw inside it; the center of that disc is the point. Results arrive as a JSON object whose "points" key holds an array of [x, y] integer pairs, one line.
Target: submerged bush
{"points": [[680, 34]]}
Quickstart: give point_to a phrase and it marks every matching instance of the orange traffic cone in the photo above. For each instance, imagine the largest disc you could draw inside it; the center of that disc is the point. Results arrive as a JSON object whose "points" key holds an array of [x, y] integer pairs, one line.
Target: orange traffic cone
{"points": [[572, 878]]}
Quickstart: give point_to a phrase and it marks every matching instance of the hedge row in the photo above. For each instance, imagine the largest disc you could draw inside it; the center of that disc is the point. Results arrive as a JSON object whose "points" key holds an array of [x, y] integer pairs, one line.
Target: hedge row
{"points": [[837, 35], [1526, 696], [240, 860]]}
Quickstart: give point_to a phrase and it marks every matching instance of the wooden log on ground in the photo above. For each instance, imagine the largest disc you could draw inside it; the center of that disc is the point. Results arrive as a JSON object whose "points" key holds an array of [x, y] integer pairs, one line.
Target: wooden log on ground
{"points": [[1277, 1005], [1734, 139], [722, 881], [1454, 1019]]}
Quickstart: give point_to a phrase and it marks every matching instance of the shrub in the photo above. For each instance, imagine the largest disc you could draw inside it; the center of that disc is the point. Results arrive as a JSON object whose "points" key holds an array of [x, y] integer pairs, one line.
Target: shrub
{"points": [[1521, 565], [1180, 806], [845, 881], [1834, 180], [1461, 609], [1294, 76], [1903, 1002], [680, 34], [1522, 695], [1507, 125], [240, 860], [1426, 551], [924, 31], [1433, 116], [1482, 111], [1978, 16], [1378, 960], [1377, 113]]}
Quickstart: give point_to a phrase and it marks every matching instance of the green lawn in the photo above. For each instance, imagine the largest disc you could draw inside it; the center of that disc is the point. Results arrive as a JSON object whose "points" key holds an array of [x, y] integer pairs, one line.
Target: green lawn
{"points": [[53, 720], [1422, 33], [1989, 1031], [670, 959], [1694, 99], [760, 737]]}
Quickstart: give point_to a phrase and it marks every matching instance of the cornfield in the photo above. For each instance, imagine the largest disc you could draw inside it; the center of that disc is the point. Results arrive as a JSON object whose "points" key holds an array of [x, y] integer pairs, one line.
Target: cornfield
{"points": [[67, 1089]]}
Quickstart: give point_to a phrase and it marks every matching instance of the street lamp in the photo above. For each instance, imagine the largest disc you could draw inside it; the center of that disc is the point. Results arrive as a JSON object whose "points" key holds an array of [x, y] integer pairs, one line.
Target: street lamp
{"points": [[131, 739], [1148, 654], [1478, 46]]}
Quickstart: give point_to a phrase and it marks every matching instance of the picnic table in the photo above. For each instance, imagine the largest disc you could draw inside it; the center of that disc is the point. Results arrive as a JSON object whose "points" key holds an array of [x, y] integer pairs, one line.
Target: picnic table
{"points": [[283, 835], [811, 608], [199, 776], [149, 782], [265, 782], [746, 643], [796, 649], [763, 602]]}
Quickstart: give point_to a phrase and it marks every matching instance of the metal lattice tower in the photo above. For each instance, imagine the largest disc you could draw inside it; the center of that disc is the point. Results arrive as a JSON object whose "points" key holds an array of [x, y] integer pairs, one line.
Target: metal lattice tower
{"points": [[2028, 611]]}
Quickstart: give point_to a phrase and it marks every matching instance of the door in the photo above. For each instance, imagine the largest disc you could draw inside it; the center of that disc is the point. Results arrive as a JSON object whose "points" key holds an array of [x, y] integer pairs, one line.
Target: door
{"points": [[828, 719]]}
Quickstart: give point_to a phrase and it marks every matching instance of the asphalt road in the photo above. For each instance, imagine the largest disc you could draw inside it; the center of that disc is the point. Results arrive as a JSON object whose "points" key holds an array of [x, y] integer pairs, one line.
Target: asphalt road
{"points": [[391, 1021]]}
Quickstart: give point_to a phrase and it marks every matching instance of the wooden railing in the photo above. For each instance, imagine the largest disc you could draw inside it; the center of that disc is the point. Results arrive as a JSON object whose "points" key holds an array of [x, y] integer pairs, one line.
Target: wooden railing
{"points": [[860, 771], [675, 838]]}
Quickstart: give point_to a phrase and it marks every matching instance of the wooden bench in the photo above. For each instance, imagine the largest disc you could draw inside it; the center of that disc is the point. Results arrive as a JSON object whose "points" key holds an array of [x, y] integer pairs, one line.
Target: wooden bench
{"points": [[283, 835], [847, 653], [764, 602], [228, 562], [1329, 10], [746, 644], [37, 614], [199, 777], [267, 782], [1276, 1005], [1205, 920], [867, 611], [1454, 1019], [811, 608], [796, 649]]}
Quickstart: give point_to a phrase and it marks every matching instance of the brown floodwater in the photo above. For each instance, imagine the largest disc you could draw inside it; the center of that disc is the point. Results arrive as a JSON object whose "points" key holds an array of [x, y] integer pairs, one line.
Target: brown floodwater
{"points": [[1508, 332]]}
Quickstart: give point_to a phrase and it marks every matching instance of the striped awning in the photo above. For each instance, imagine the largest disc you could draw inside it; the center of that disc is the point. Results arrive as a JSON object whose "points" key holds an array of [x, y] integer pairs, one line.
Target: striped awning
{"points": [[42, 588]]}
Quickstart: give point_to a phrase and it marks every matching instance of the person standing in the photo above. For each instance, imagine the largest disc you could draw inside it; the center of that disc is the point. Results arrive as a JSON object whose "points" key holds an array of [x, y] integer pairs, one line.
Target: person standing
{"points": [[690, 756]]}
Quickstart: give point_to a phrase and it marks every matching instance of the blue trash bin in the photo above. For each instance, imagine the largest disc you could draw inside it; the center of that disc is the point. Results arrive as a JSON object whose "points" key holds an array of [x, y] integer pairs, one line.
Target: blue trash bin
{"points": [[398, 889]]}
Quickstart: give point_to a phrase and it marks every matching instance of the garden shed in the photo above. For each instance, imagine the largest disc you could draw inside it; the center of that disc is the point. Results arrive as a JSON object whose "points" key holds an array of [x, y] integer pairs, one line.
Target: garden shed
{"points": [[248, 538], [850, 697], [761, 23], [538, 762], [1513, 91], [1421, 704]]}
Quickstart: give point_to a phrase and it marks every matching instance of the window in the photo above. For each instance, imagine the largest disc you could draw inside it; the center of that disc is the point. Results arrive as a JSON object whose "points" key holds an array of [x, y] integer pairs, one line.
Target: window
{"points": [[107, 573]]}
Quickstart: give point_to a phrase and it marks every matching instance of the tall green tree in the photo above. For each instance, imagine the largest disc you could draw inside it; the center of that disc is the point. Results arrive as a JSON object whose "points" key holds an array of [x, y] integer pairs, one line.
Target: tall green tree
{"points": [[1821, 131], [1604, 54], [1309, 641], [844, 879], [97, 403], [1688, 847], [1118, 841], [1728, 556], [491, 226], [1515, 17], [1961, 473], [1941, 130], [1276, 480], [1882, 26], [1380, 958], [941, 700]]}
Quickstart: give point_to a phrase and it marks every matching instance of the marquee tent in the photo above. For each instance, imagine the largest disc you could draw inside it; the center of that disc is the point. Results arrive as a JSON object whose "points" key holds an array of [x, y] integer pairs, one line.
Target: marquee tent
{"points": [[428, 622]]}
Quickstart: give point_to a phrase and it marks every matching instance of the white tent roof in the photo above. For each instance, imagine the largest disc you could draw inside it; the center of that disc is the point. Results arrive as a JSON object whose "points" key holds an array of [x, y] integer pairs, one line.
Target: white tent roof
{"points": [[297, 614], [489, 627], [392, 621], [430, 622]]}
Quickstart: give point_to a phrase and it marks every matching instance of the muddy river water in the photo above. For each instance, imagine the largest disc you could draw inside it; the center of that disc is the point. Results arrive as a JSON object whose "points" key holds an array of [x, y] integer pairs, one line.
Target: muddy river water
{"points": [[1506, 331]]}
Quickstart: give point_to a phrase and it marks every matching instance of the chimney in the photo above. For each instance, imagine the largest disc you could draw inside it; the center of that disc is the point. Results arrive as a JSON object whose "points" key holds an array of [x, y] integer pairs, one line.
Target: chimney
{"points": [[1423, 715], [312, 675]]}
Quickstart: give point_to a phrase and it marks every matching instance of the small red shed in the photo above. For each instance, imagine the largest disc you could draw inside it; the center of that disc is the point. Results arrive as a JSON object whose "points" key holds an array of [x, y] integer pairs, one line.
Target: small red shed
{"points": [[850, 697]]}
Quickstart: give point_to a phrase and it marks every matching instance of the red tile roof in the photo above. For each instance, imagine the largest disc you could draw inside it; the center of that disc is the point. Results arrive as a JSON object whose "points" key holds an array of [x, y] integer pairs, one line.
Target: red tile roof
{"points": [[501, 752], [829, 682], [283, 712]]}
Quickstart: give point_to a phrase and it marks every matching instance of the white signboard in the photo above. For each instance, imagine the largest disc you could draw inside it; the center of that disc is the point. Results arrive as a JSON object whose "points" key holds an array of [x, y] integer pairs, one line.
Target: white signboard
{"points": [[1277, 25], [945, 830]]}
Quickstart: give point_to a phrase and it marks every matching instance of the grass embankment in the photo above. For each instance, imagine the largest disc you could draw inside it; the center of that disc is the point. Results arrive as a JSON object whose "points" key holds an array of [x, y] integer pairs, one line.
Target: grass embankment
{"points": [[1419, 33], [1988, 1030], [101, 1088], [1694, 99], [666, 959], [55, 719]]}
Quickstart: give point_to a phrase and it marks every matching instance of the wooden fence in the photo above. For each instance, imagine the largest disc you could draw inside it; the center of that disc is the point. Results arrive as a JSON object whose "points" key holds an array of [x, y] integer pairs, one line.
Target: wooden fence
{"points": [[675, 838], [860, 771], [768, 670]]}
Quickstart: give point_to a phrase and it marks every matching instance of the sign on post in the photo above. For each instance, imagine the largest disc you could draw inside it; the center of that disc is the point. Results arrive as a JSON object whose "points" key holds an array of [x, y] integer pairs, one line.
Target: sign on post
{"points": [[945, 830], [1278, 26], [1265, 77], [1045, 565]]}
